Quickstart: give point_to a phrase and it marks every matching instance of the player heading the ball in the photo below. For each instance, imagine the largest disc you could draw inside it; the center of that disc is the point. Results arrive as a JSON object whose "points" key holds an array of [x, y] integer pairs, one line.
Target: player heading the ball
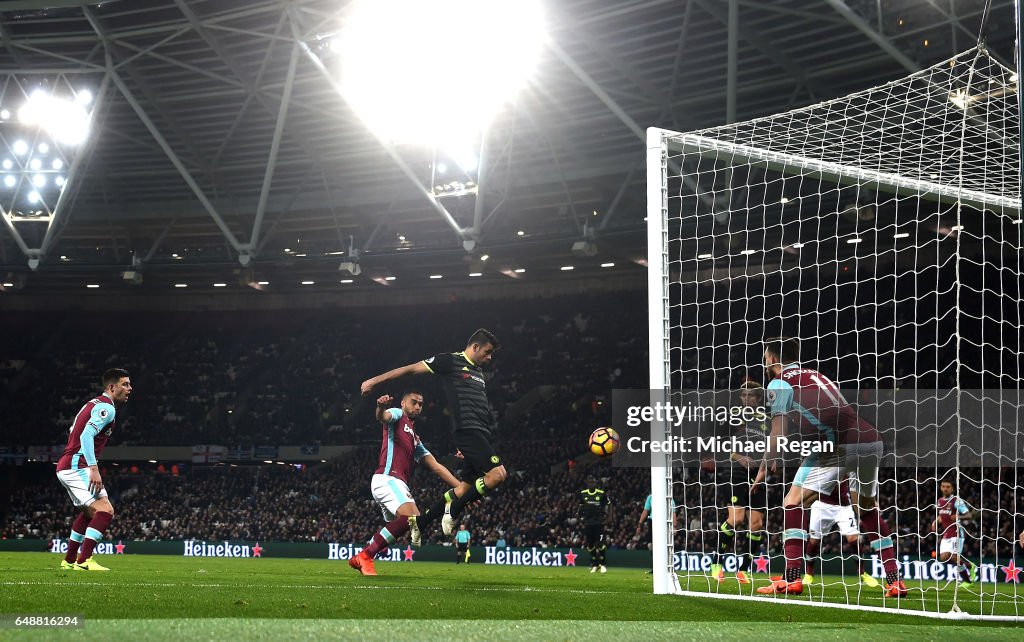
{"points": [[462, 378]]}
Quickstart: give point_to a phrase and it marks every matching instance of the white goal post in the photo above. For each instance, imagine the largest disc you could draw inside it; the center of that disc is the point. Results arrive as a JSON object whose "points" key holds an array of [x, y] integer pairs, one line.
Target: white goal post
{"points": [[882, 230]]}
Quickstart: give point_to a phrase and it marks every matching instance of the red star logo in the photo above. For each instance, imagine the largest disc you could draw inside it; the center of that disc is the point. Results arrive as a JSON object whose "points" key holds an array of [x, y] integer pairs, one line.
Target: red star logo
{"points": [[1012, 572], [570, 558], [761, 564], [119, 547], [257, 551], [409, 553]]}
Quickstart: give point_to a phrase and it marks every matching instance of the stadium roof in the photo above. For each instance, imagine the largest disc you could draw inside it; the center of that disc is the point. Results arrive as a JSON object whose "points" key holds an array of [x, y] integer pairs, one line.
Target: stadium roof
{"points": [[564, 166]]}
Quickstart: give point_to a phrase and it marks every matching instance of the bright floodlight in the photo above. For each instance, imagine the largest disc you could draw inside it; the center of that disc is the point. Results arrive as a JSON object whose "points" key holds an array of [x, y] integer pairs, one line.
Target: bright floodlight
{"points": [[8, 164], [83, 97], [35, 164], [65, 120], [39, 180], [10, 181], [437, 72], [57, 163], [59, 181], [33, 197], [20, 147]]}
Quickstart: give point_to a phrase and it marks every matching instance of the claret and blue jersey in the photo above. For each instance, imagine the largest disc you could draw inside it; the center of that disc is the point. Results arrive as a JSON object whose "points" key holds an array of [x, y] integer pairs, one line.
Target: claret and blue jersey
{"points": [[811, 399], [90, 431], [401, 447]]}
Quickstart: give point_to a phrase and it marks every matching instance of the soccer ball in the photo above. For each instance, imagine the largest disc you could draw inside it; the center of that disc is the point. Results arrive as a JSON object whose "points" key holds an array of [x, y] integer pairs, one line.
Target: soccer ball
{"points": [[604, 442]]}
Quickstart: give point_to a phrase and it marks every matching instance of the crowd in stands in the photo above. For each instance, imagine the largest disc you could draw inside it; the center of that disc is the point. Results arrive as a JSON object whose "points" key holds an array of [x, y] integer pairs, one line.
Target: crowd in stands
{"points": [[293, 378]]}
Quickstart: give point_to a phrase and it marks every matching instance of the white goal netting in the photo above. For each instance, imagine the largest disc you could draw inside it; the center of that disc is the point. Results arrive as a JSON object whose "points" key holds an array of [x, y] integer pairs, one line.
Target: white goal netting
{"points": [[881, 230]]}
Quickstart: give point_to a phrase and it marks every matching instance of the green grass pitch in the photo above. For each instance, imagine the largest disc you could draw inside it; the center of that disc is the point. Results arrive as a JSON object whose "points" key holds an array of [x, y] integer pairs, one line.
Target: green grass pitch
{"points": [[164, 597]]}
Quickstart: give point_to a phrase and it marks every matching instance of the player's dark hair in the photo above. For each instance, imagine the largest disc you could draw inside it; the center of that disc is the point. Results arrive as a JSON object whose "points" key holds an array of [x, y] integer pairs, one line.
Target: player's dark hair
{"points": [[113, 375], [787, 349], [483, 337], [411, 391]]}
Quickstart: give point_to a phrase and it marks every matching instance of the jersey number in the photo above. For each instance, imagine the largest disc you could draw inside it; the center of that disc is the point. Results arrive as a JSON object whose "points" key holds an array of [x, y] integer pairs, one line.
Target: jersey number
{"points": [[829, 388]]}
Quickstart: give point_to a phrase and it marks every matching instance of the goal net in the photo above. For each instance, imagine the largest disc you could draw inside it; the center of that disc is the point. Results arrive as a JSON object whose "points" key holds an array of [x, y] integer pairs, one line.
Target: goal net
{"points": [[882, 232]]}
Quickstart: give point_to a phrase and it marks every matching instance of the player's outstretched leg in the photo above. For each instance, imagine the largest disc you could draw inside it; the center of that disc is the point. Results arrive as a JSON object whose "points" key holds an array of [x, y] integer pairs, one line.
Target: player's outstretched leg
{"points": [[794, 536], [726, 545], [363, 562], [75, 541], [879, 537], [94, 533], [747, 559], [474, 493], [420, 522], [967, 571], [813, 547]]}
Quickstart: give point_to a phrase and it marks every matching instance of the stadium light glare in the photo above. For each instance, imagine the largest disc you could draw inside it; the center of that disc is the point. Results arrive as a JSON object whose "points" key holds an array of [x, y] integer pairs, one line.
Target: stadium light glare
{"points": [[43, 148], [346, 281], [59, 181], [35, 164], [705, 256], [567, 268], [491, 48], [33, 197], [10, 181], [437, 276], [66, 120], [181, 285], [92, 286], [8, 163], [901, 235], [263, 283], [57, 163], [220, 285], [5, 114], [83, 97], [20, 147], [39, 180], [309, 283], [476, 274], [390, 278], [607, 265]]}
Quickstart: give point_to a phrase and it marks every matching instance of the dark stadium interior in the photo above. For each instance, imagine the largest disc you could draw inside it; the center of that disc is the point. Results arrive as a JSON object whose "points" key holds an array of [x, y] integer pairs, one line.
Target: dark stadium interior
{"points": [[236, 237]]}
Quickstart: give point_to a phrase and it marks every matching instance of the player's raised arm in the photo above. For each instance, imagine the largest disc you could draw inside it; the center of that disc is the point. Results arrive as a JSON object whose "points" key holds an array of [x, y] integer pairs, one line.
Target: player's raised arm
{"points": [[420, 367], [383, 413]]}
